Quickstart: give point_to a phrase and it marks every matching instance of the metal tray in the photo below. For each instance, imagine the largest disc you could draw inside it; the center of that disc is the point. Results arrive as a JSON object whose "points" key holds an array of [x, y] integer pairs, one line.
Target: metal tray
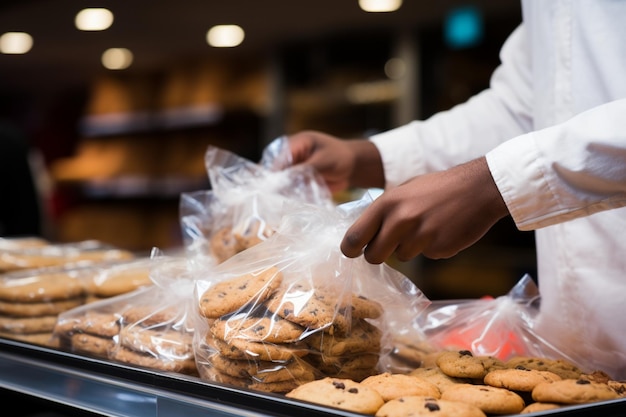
{"points": [[112, 389]]}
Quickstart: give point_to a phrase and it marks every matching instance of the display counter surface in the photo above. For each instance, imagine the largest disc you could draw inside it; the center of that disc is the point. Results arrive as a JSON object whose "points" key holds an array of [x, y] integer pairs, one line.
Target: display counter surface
{"points": [[112, 389]]}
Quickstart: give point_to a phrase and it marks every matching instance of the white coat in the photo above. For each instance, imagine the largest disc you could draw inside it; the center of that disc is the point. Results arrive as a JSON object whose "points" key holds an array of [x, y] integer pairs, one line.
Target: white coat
{"points": [[552, 125]]}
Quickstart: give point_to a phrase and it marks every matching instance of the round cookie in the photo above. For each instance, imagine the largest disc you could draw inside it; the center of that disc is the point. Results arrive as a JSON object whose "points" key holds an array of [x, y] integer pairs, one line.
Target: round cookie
{"points": [[391, 386], [536, 407], [339, 393], [365, 308], [436, 376], [243, 349], [223, 244], [228, 296], [44, 339], [416, 406], [91, 345], [42, 288], [491, 400], [263, 371], [573, 391], [38, 309], [95, 323], [165, 343], [27, 325], [561, 367], [272, 329], [519, 379], [463, 364], [183, 365], [363, 337], [311, 308]]}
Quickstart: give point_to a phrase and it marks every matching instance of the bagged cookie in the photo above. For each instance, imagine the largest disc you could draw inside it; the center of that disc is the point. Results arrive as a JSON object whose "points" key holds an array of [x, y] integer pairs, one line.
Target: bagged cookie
{"points": [[148, 327], [39, 255], [293, 308], [244, 205]]}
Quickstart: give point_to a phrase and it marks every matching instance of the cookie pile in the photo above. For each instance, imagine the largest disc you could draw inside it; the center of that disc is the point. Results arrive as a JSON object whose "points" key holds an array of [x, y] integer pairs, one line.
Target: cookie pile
{"points": [[156, 337], [270, 336], [30, 303], [466, 385], [145, 335]]}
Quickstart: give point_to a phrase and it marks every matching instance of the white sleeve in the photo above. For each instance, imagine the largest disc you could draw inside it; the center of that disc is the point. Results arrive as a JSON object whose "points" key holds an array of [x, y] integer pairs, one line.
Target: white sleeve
{"points": [[467, 130], [566, 171]]}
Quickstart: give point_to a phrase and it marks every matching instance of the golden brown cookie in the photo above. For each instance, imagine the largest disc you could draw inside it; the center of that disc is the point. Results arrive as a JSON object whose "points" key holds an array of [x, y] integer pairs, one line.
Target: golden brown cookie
{"points": [[232, 294], [391, 386], [181, 365], [365, 308], [310, 308], [119, 279], [43, 339], [263, 371], [91, 345], [363, 337], [42, 288], [436, 376], [223, 244], [463, 364], [46, 308], [573, 391], [561, 367], [167, 343], [536, 407], [243, 349], [417, 406], [91, 322], [27, 325], [272, 329], [339, 393], [519, 379], [491, 400]]}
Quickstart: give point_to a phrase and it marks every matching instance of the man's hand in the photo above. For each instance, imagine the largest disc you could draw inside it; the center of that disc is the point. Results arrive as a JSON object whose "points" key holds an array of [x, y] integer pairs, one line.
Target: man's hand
{"points": [[436, 215]]}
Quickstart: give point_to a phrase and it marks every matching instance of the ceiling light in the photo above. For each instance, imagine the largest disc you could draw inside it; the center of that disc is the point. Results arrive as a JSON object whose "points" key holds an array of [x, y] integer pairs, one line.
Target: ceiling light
{"points": [[380, 6], [15, 43], [225, 36], [117, 58], [94, 19]]}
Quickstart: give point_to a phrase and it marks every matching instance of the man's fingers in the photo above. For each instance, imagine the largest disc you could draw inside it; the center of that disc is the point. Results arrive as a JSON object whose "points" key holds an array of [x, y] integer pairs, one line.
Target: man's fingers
{"points": [[360, 234]]}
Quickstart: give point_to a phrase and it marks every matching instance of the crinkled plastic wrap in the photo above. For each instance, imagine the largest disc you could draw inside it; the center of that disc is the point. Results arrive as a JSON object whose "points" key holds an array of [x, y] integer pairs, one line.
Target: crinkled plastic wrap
{"points": [[501, 327], [17, 257], [149, 327], [293, 308], [244, 205]]}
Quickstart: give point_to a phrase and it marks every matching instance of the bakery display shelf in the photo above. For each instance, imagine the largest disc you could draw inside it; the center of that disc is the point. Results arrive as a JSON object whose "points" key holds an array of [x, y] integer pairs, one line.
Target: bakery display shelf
{"points": [[112, 389]]}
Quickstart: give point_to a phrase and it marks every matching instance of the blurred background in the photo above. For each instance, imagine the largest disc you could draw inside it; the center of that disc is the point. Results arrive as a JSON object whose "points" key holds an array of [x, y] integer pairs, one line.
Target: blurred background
{"points": [[115, 119]]}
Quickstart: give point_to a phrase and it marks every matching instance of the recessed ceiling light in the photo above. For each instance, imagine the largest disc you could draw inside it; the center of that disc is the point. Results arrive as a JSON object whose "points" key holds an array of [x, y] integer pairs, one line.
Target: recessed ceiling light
{"points": [[15, 43], [380, 6], [225, 36], [117, 58], [94, 19]]}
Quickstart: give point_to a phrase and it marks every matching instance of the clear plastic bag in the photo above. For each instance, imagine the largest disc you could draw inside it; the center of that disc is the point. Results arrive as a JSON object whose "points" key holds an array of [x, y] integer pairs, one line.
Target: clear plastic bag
{"points": [[150, 327], [244, 205], [502, 327], [293, 308]]}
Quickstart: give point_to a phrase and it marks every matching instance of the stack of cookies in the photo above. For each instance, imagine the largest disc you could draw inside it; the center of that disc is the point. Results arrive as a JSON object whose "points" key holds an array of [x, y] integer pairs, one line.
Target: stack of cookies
{"points": [[146, 327], [31, 300], [268, 335], [39, 255], [88, 332], [156, 336]]}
